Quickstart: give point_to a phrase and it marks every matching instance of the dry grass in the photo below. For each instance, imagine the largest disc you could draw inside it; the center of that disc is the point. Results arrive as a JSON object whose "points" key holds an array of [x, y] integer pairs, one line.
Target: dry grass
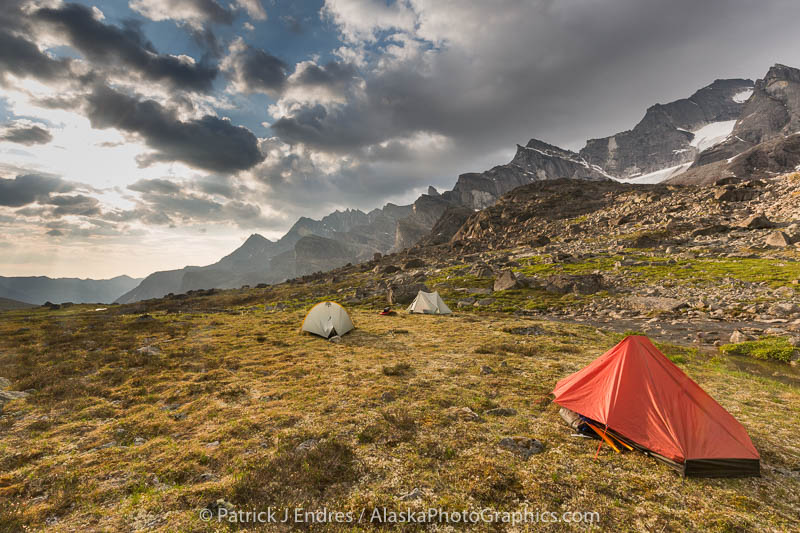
{"points": [[114, 438]]}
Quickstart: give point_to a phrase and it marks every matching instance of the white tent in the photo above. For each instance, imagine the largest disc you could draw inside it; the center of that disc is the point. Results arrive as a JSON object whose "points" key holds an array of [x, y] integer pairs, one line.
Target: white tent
{"points": [[429, 303], [327, 319]]}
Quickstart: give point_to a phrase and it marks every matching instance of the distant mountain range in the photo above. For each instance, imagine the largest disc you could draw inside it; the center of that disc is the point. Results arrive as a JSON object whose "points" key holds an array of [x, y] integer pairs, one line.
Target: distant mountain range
{"points": [[40, 289], [732, 127]]}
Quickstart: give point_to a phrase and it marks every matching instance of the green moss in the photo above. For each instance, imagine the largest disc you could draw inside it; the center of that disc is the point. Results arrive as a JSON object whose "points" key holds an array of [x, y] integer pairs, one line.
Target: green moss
{"points": [[766, 348]]}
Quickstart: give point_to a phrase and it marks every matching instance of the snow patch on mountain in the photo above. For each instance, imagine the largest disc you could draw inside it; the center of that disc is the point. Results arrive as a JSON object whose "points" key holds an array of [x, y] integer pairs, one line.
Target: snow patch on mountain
{"points": [[742, 96], [712, 134], [658, 176]]}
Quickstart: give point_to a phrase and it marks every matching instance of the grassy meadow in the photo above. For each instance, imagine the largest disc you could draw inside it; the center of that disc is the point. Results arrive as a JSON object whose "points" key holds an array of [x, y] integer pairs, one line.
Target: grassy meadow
{"points": [[139, 423]]}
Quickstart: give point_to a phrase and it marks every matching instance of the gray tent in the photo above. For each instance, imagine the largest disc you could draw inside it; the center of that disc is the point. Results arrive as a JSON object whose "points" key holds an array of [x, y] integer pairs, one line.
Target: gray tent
{"points": [[429, 303], [327, 319]]}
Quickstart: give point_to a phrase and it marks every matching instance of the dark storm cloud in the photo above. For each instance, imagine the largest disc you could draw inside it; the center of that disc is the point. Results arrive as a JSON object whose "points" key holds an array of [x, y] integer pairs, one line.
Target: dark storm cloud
{"points": [[257, 70], [206, 38], [500, 73], [211, 10], [124, 47], [23, 58], [209, 143], [331, 74], [29, 188], [27, 134], [336, 130]]}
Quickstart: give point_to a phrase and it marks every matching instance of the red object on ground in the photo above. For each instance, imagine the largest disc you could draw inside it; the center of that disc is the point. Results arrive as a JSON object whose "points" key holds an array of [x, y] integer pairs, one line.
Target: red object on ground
{"points": [[641, 395]]}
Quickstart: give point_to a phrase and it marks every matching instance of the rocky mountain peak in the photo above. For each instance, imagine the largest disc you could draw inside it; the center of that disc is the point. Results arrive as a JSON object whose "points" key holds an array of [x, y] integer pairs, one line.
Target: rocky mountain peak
{"points": [[779, 72], [769, 115], [255, 239], [670, 135]]}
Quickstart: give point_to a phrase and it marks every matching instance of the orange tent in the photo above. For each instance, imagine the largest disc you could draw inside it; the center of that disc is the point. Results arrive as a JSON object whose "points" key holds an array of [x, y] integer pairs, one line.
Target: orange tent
{"points": [[640, 395]]}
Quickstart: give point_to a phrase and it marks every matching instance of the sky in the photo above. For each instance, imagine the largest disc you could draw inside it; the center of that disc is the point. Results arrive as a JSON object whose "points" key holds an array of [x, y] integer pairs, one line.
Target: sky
{"points": [[145, 135]]}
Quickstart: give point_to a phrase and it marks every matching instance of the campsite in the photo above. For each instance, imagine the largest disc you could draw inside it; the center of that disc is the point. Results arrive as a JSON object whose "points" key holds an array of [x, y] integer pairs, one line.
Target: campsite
{"points": [[399, 265], [162, 416]]}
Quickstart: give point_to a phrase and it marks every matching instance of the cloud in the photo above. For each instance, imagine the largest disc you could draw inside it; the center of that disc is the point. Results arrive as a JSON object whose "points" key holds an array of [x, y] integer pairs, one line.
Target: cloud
{"points": [[23, 58], [362, 19], [167, 206], [329, 75], [253, 8], [125, 48], [254, 70], [194, 12], [209, 143], [23, 132], [78, 204], [160, 186], [29, 188]]}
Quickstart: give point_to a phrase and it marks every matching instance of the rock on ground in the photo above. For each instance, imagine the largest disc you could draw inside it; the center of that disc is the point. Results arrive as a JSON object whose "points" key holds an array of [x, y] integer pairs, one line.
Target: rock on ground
{"points": [[522, 446], [506, 280]]}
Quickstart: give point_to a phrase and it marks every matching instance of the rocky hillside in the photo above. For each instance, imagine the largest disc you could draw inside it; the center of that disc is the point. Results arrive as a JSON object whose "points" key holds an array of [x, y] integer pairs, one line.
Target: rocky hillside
{"points": [[724, 258]]}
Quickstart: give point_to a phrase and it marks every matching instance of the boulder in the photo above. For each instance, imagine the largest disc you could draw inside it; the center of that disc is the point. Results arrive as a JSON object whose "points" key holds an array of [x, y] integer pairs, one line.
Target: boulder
{"points": [[731, 193], [657, 303], [756, 222], [784, 309], [414, 263], [710, 230], [466, 302], [579, 284], [643, 241], [5, 384], [405, 293], [390, 269], [539, 241], [778, 239], [506, 280], [481, 270], [737, 337]]}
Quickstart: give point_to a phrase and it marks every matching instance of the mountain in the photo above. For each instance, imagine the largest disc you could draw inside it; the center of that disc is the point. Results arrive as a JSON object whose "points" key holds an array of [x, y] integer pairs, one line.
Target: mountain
{"points": [[731, 127], [536, 161], [672, 134], [40, 289], [335, 240], [6, 304], [763, 140]]}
